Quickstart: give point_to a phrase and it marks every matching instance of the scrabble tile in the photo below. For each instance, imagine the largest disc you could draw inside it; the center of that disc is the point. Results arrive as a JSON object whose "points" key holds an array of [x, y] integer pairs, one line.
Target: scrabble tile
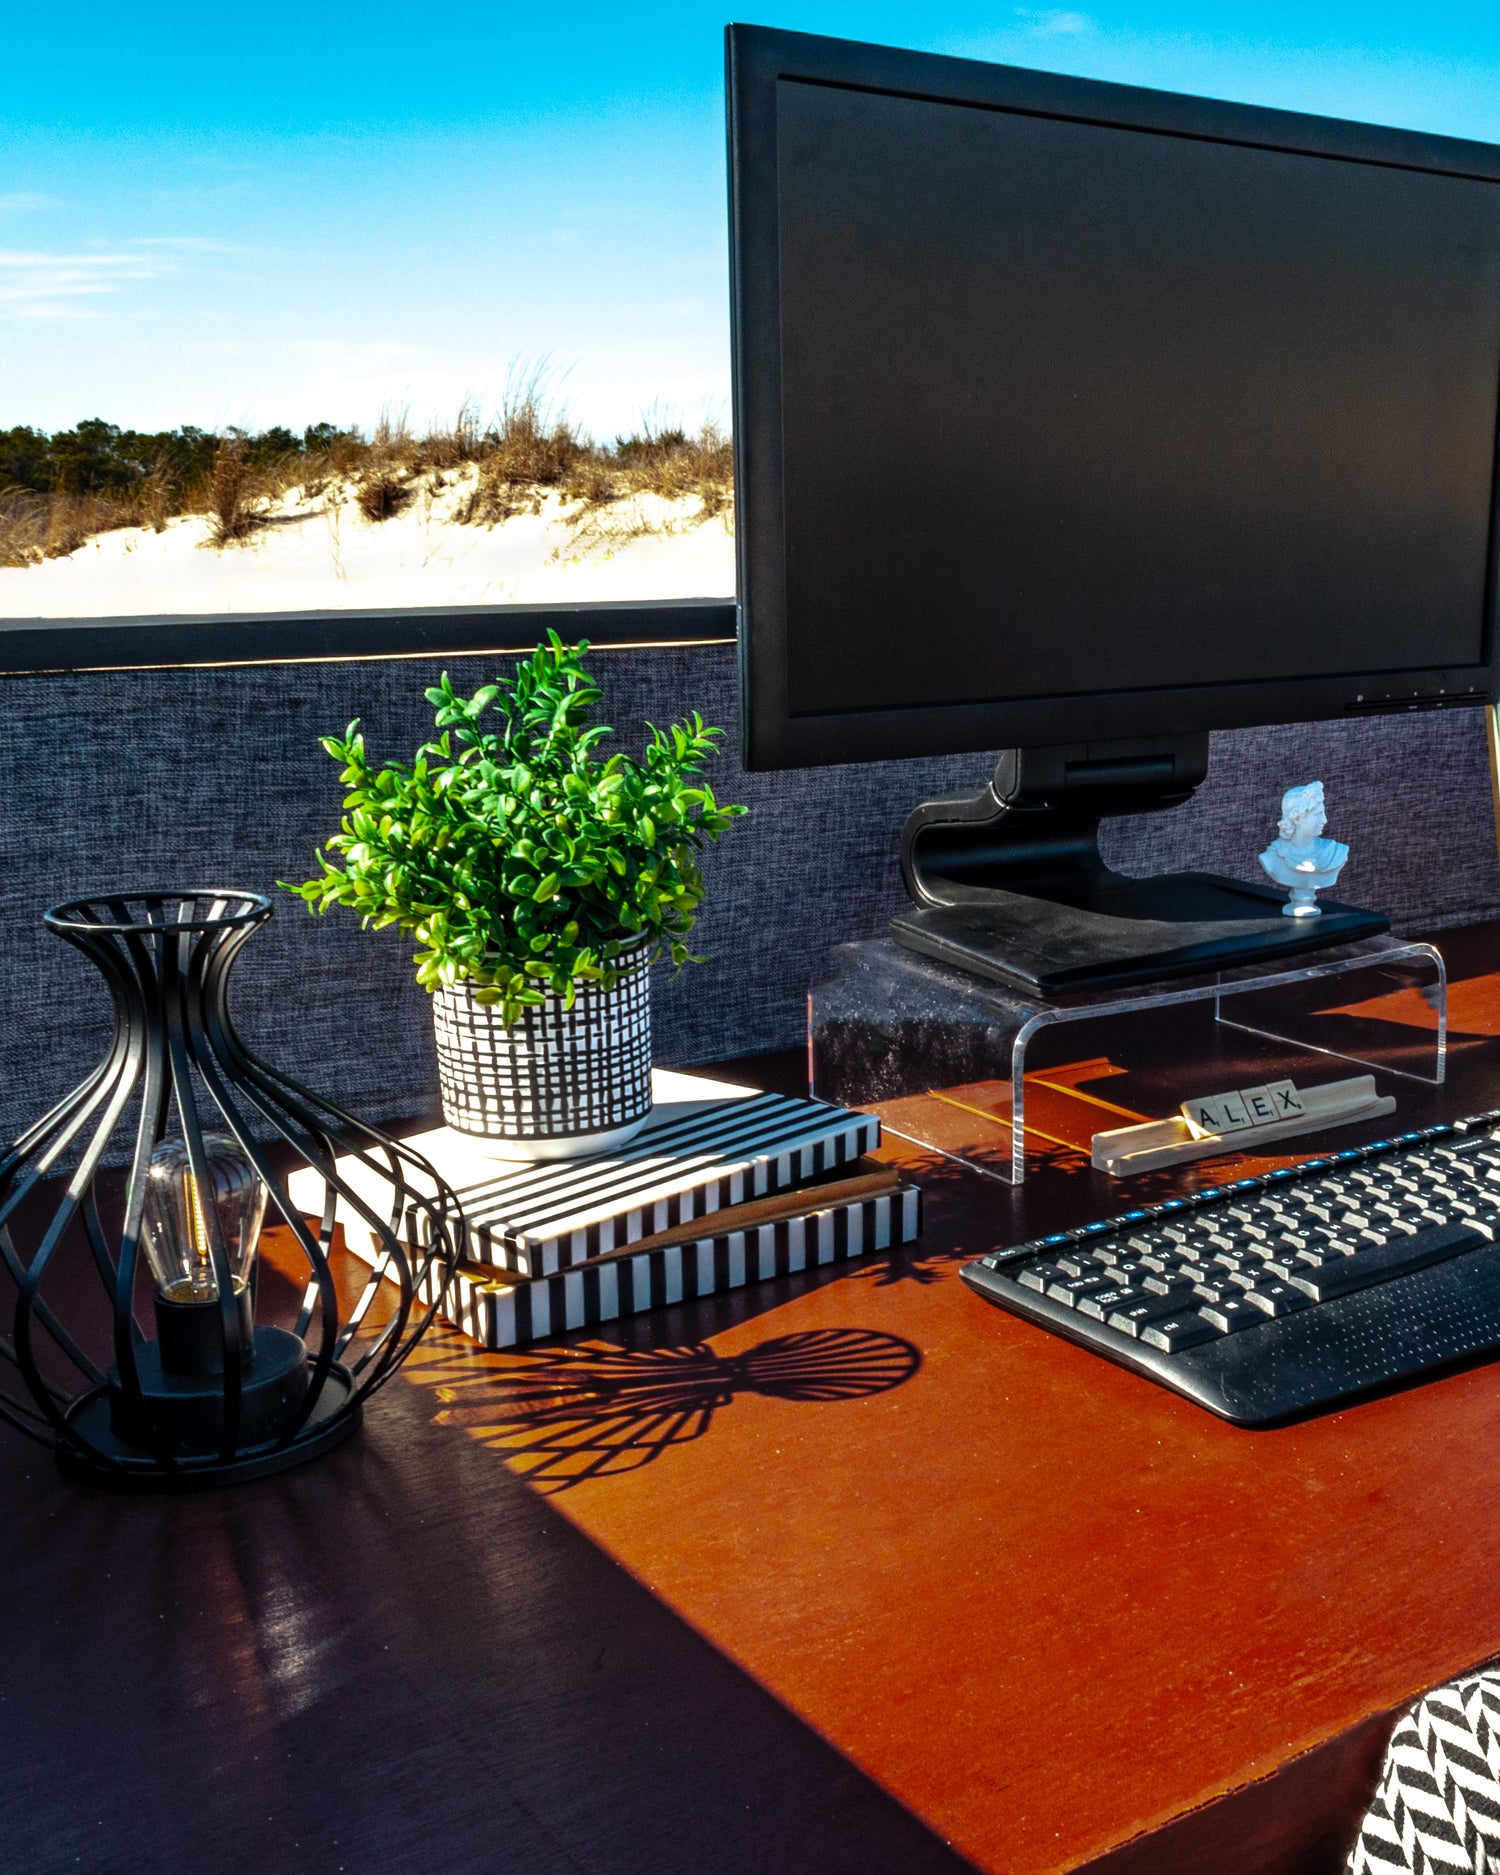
{"points": [[1260, 1104], [1218, 1113]]}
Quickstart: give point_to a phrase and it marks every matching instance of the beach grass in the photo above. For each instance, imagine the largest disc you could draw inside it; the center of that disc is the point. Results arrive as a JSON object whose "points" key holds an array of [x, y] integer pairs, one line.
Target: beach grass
{"points": [[60, 490]]}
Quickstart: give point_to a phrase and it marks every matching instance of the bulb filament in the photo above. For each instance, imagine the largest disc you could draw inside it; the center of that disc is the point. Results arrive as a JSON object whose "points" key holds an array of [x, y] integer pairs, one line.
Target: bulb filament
{"points": [[201, 1274]]}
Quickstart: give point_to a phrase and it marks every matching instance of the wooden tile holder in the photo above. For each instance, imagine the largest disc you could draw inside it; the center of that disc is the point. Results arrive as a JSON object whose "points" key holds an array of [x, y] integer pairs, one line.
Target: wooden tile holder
{"points": [[1126, 1151]]}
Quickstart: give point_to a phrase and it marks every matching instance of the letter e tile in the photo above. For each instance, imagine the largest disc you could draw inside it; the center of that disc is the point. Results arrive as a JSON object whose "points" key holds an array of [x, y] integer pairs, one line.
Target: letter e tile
{"points": [[1259, 1104]]}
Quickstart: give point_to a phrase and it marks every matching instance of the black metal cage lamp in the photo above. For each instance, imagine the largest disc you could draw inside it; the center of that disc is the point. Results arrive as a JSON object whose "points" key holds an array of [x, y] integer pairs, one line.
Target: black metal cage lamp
{"points": [[196, 1388]]}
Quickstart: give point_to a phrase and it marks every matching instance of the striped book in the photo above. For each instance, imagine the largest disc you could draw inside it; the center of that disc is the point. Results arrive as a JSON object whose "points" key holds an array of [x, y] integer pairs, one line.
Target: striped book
{"points": [[706, 1146], [501, 1313]]}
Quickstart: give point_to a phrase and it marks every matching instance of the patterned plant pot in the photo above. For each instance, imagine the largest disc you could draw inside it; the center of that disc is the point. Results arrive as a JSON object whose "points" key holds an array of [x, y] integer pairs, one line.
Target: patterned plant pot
{"points": [[560, 1082]]}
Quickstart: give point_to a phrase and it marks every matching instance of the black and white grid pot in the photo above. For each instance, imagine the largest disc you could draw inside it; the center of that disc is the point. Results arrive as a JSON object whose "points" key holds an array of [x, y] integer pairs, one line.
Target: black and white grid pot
{"points": [[558, 1083]]}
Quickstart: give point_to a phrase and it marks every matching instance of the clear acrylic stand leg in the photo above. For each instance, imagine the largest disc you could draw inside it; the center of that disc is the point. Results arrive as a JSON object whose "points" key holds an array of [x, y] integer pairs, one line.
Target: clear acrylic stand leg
{"points": [[1436, 999], [944, 1054]]}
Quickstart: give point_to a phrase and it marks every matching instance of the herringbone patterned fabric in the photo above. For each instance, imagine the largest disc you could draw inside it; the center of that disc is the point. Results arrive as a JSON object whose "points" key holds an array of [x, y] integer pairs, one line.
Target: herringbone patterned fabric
{"points": [[1437, 1811]]}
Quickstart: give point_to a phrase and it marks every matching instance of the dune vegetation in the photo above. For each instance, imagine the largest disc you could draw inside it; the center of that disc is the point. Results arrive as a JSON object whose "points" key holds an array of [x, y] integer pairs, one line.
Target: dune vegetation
{"points": [[59, 491]]}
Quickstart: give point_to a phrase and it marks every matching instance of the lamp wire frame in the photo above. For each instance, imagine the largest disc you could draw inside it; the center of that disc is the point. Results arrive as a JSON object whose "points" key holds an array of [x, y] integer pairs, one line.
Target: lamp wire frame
{"points": [[166, 957]]}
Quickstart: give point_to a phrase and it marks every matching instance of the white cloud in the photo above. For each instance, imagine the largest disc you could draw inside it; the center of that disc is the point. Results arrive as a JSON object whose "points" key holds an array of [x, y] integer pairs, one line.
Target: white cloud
{"points": [[31, 257], [262, 380], [27, 202], [37, 285], [322, 353], [1054, 22], [187, 244], [52, 312]]}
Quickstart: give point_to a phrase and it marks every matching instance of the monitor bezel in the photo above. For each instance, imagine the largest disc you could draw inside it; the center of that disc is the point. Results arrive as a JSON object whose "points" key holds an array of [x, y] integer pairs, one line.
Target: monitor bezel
{"points": [[757, 60]]}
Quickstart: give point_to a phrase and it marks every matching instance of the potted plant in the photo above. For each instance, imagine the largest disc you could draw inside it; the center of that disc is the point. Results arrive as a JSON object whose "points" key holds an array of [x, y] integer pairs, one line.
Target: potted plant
{"points": [[541, 876]]}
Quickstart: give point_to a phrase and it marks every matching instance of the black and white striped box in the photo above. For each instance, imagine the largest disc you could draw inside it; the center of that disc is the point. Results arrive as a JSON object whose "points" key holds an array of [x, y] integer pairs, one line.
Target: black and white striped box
{"points": [[501, 1314], [706, 1146]]}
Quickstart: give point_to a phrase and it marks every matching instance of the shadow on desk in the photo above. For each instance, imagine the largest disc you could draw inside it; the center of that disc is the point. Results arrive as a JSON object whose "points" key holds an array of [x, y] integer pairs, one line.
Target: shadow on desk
{"points": [[563, 1416], [400, 1658]]}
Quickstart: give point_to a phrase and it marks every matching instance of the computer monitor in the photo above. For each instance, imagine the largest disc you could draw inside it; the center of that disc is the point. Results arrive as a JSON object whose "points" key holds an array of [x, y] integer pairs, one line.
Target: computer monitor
{"points": [[1081, 420]]}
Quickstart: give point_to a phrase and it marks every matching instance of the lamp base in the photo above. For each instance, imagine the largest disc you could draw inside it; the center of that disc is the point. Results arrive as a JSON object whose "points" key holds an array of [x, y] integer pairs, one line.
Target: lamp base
{"points": [[125, 1464], [184, 1411]]}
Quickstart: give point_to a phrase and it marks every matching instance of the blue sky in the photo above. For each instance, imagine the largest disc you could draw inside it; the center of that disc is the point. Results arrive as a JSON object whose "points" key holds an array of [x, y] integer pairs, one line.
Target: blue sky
{"points": [[316, 213]]}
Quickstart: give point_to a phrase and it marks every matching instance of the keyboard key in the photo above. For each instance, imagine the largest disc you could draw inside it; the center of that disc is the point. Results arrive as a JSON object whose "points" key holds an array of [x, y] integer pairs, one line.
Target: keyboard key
{"points": [[1274, 1298], [1378, 1263], [1079, 1263], [1038, 1275], [1070, 1290], [1131, 1317], [1100, 1303], [1167, 1282], [1177, 1332], [1231, 1314]]}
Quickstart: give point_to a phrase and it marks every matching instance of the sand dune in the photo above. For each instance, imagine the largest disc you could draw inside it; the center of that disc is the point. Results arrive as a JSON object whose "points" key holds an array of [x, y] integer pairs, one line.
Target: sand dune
{"points": [[318, 552]]}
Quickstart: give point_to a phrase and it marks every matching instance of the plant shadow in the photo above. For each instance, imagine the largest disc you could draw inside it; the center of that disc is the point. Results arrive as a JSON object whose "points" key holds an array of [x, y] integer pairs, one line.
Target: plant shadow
{"points": [[564, 1416]]}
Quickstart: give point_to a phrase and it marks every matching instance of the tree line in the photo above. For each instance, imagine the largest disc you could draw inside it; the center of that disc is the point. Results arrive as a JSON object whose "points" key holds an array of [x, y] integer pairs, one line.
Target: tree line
{"points": [[99, 458]]}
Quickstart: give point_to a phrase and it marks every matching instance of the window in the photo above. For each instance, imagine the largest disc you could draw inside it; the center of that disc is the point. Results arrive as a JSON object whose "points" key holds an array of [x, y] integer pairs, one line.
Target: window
{"points": [[325, 323]]}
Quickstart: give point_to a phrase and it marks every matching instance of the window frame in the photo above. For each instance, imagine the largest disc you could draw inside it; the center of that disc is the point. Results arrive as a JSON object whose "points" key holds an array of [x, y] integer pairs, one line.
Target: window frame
{"points": [[43, 646]]}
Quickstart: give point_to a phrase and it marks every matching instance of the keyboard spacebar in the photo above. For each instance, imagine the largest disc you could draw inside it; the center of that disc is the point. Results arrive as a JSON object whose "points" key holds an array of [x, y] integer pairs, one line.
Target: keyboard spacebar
{"points": [[1392, 1258]]}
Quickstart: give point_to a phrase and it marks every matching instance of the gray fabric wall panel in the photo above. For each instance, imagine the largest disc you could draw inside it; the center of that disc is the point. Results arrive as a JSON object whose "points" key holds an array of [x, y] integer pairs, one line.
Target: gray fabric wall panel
{"points": [[158, 778]]}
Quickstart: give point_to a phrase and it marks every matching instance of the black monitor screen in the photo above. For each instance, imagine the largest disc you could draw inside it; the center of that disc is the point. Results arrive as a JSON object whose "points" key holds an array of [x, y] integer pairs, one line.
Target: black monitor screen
{"points": [[1073, 407]]}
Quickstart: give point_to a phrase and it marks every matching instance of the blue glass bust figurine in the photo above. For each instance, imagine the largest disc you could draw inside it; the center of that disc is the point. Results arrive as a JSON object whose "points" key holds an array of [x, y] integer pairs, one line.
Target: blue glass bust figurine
{"points": [[1300, 858]]}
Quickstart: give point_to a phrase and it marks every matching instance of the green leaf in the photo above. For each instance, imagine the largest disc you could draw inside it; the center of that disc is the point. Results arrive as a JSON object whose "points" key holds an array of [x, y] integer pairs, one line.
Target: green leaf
{"points": [[504, 848]]}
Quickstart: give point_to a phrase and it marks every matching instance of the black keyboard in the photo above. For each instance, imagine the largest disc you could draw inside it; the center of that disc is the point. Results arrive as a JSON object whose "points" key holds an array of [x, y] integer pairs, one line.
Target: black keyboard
{"points": [[1275, 1296]]}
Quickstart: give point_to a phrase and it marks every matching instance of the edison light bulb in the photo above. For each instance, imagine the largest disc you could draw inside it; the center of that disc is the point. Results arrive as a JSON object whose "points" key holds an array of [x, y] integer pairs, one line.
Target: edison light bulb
{"points": [[175, 1236]]}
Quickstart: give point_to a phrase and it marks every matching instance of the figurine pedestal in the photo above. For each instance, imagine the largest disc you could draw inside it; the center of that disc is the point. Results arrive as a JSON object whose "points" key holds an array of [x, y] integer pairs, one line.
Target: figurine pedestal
{"points": [[948, 1059]]}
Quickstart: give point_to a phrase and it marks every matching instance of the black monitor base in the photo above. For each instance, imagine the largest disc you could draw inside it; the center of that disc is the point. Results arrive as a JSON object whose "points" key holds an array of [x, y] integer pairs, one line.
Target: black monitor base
{"points": [[1009, 884]]}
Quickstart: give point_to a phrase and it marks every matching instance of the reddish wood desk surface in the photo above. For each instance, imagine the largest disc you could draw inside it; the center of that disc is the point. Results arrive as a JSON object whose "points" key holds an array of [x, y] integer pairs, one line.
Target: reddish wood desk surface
{"points": [[850, 1572]]}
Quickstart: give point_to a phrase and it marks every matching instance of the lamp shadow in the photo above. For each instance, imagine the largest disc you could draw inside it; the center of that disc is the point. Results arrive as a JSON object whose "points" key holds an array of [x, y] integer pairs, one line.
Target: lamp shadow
{"points": [[564, 1416]]}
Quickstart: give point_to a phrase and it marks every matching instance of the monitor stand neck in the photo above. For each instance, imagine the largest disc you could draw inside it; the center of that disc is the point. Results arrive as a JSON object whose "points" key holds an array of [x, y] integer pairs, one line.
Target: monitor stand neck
{"points": [[1010, 884]]}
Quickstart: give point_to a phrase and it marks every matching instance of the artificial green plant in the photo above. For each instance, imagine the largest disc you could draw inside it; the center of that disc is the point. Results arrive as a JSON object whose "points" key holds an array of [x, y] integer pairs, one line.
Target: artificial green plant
{"points": [[523, 858]]}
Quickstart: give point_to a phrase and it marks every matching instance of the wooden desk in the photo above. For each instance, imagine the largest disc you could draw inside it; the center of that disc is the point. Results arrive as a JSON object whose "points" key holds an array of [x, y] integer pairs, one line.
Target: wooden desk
{"points": [[849, 1573]]}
